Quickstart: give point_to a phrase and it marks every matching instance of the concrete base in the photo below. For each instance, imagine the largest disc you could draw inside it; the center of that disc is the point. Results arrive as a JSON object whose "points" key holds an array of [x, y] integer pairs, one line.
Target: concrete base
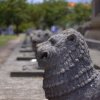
{"points": [[24, 58], [35, 73], [95, 56], [93, 44], [93, 34], [26, 51]]}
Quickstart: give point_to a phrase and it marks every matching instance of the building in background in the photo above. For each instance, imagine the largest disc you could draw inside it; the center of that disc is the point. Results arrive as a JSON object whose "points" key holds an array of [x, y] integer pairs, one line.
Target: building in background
{"points": [[94, 30]]}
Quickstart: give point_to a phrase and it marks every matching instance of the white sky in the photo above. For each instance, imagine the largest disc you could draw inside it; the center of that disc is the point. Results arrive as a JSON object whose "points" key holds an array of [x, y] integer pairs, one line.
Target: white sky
{"points": [[38, 1], [35, 1]]}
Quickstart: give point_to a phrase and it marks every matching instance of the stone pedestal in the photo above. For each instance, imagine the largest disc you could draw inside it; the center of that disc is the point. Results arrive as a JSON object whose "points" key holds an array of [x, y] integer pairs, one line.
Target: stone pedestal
{"points": [[94, 31]]}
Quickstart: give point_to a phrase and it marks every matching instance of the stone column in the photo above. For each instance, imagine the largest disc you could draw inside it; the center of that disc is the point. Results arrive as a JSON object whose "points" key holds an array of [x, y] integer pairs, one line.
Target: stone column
{"points": [[96, 7], [94, 31]]}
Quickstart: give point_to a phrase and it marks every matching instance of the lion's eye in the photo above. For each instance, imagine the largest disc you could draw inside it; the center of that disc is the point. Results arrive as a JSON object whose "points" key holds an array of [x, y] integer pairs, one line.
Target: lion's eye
{"points": [[71, 37], [53, 41]]}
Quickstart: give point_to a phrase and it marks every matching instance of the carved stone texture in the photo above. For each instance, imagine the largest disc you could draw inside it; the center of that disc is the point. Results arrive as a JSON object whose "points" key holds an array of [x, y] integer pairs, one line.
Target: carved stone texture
{"points": [[69, 72], [39, 36]]}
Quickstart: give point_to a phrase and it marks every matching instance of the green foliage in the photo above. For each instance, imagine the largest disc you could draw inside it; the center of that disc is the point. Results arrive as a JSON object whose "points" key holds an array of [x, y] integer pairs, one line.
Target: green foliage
{"points": [[51, 12], [79, 14], [13, 12], [54, 12], [4, 39], [24, 26], [35, 12]]}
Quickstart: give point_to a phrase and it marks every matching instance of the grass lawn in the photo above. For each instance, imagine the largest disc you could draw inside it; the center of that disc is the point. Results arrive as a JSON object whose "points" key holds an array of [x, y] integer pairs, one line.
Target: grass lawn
{"points": [[5, 38]]}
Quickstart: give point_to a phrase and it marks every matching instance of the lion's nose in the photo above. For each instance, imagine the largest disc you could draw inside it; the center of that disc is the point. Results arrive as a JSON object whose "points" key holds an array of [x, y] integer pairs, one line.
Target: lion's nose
{"points": [[42, 55]]}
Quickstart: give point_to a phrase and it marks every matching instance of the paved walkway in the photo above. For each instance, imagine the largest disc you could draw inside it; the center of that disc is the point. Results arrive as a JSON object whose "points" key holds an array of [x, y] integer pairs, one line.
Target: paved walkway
{"points": [[23, 88], [6, 50], [95, 55]]}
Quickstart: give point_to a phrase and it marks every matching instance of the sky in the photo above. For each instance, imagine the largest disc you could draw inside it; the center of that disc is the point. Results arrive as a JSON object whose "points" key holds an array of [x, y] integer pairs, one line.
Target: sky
{"points": [[38, 1], [35, 1]]}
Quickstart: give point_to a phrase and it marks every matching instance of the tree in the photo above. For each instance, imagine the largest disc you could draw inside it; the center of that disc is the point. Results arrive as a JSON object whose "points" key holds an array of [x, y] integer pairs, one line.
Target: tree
{"points": [[54, 12], [35, 12], [13, 12], [79, 14], [51, 12]]}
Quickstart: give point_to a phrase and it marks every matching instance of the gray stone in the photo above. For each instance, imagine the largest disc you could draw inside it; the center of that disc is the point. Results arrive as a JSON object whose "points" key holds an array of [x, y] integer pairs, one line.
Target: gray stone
{"points": [[93, 32], [39, 36], [93, 44], [95, 55], [69, 72]]}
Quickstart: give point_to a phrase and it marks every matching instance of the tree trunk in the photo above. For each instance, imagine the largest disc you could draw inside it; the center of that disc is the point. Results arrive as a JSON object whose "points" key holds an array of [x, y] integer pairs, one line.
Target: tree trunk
{"points": [[17, 29]]}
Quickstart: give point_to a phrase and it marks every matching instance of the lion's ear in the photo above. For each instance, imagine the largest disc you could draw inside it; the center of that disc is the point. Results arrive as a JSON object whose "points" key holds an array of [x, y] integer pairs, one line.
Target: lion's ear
{"points": [[71, 37]]}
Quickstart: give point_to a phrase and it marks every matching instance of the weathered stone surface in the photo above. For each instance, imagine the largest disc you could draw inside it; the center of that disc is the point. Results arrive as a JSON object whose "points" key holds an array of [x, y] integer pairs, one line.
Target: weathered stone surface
{"points": [[69, 71], [93, 34], [39, 36], [95, 55], [93, 44], [25, 56]]}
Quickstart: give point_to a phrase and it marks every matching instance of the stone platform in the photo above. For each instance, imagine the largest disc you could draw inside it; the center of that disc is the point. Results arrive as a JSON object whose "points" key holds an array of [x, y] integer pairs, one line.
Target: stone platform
{"points": [[95, 55]]}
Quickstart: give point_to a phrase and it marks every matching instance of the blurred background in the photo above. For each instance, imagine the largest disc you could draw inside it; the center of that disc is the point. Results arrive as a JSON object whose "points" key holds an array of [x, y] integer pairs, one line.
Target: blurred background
{"points": [[17, 16], [24, 24]]}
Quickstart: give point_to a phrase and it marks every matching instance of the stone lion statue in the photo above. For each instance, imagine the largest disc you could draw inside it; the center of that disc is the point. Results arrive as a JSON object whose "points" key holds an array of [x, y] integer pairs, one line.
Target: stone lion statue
{"points": [[69, 72]]}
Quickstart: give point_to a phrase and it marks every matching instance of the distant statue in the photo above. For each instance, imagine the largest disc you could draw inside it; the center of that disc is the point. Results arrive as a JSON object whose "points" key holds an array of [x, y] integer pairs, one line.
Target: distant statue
{"points": [[10, 30], [54, 29]]}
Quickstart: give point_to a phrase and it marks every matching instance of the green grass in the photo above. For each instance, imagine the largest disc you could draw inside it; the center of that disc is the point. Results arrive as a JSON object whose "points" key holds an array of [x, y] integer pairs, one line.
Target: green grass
{"points": [[5, 38]]}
